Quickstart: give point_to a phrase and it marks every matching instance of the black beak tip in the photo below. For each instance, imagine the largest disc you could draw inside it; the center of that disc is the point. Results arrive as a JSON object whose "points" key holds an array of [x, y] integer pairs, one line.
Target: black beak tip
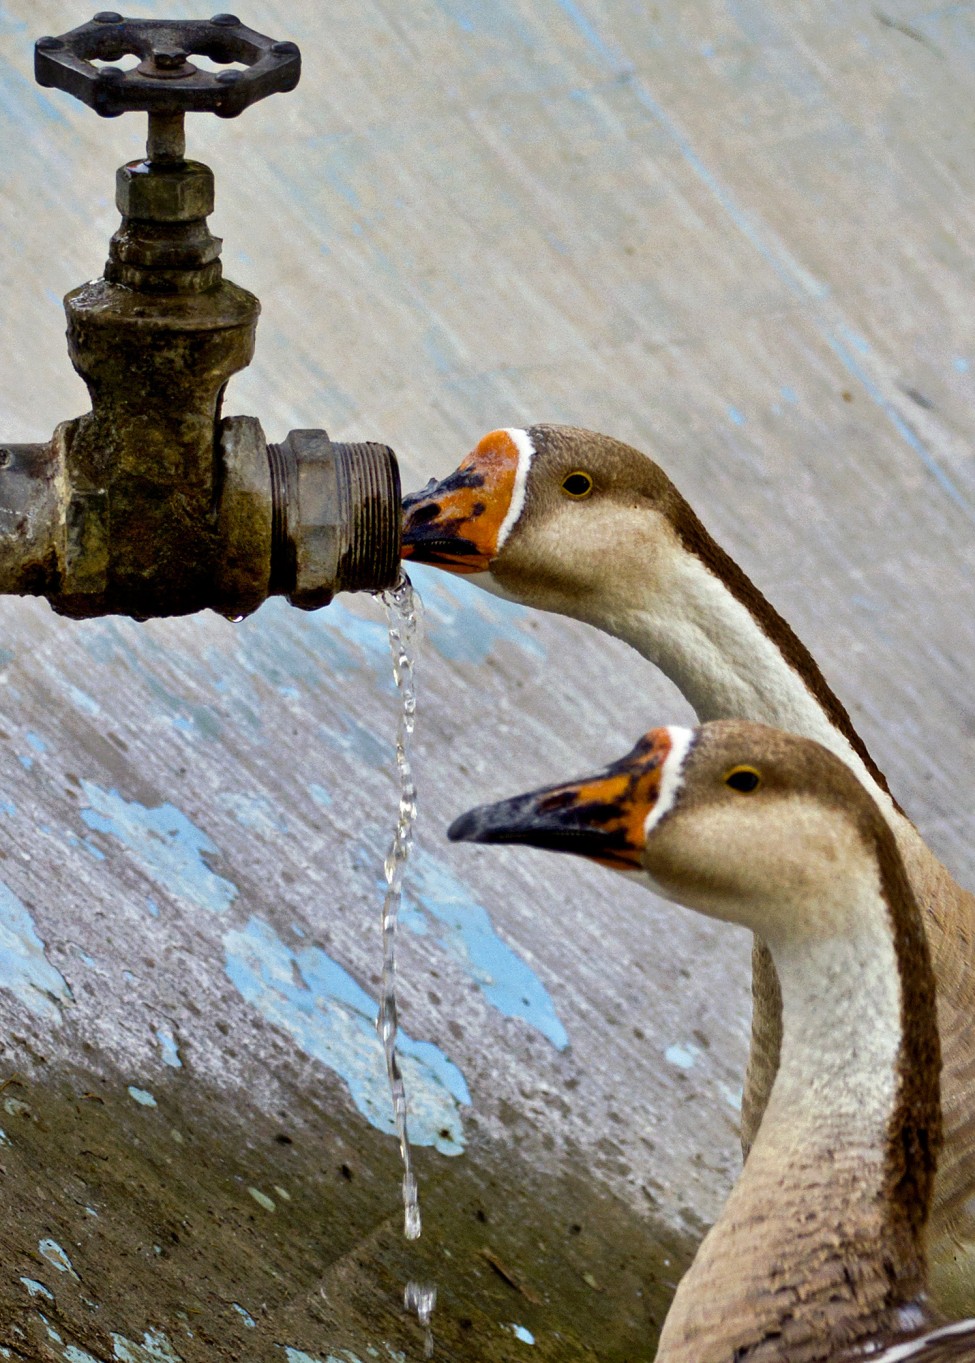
{"points": [[467, 828]]}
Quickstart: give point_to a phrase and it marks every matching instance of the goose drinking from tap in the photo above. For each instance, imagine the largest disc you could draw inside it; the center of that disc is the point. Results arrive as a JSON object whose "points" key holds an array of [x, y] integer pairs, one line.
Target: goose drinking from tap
{"points": [[819, 1252], [577, 523]]}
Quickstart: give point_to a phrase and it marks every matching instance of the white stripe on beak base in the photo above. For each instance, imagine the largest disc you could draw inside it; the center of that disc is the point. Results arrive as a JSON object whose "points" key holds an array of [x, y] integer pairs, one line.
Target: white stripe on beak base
{"points": [[526, 450], [681, 741]]}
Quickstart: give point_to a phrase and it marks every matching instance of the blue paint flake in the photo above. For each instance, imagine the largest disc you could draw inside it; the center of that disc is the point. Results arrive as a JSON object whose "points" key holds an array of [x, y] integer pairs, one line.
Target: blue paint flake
{"points": [[73, 1354], [684, 1057], [320, 795], [24, 970], [36, 742], [8, 807], [737, 416], [142, 1096], [245, 1316], [464, 929], [255, 812], [164, 842], [962, 365], [169, 1048], [788, 394], [25, 761], [52, 1253], [155, 1348], [332, 1019], [524, 1335], [152, 906], [84, 702], [37, 1289]]}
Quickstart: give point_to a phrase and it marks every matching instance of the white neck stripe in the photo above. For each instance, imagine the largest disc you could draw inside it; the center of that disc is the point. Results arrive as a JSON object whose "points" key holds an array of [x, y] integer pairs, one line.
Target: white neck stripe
{"points": [[524, 444], [680, 745]]}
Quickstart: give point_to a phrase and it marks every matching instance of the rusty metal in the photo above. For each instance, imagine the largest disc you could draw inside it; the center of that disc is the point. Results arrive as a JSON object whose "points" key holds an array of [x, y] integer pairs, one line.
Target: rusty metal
{"points": [[152, 503], [166, 81]]}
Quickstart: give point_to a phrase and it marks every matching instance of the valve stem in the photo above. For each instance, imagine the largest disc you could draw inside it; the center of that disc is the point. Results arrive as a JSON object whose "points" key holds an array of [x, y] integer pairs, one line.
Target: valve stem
{"points": [[166, 143]]}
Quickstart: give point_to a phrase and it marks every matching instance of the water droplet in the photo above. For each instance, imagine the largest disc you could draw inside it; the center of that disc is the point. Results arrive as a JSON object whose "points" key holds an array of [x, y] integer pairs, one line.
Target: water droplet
{"points": [[422, 1298]]}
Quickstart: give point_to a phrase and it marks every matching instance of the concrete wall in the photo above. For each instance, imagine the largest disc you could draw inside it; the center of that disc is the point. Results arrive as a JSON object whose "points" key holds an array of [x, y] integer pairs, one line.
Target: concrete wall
{"points": [[734, 232]]}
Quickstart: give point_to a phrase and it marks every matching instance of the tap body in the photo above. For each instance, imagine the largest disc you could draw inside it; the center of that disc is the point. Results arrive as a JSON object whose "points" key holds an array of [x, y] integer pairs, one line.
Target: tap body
{"points": [[153, 503]]}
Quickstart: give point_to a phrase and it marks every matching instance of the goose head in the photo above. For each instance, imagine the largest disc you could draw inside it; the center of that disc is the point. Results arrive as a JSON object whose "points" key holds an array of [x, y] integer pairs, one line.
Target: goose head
{"points": [[771, 831], [740, 821], [555, 517]]}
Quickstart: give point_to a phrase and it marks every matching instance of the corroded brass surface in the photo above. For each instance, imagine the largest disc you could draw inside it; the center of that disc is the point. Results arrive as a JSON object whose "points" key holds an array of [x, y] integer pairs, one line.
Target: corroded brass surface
{"points": [[156, 374], [147, 505]]}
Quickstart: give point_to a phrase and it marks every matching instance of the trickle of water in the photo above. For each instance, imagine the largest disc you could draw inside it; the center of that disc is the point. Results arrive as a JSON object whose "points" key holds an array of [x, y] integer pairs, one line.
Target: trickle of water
{"points": [[403, 614], [403, 617], [422, 1298]]}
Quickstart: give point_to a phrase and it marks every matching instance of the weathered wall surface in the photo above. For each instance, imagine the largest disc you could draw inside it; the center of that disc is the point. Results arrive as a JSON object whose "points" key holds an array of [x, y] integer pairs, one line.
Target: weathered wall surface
{"points": [[735, 232]]}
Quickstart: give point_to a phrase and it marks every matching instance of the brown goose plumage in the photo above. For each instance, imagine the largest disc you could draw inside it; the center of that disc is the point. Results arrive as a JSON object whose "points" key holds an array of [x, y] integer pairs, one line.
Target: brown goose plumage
{"points": [[574, 522]]}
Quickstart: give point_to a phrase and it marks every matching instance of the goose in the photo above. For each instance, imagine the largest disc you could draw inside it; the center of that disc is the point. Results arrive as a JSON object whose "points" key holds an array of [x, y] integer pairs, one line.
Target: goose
{"points": [[574, 522], [819, 1251]]}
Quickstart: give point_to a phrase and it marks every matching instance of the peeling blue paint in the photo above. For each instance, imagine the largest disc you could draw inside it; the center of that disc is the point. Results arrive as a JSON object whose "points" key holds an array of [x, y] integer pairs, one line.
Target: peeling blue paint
{"points": [[142, 1096], [36, 742], [465, 931], [853, 338], [83, 701], [37, 1289], [24, 969], [736, 416], [464, 623], [356, 741], [845, 343], [245, 1316], [320, 795], [684, 1057], [73, 1354], [155, 1348], [51, 1332], [255, 812], [52, 1253], [733, 1097], [169, 1048], [8, 807], [332, 1019], [164, 842], [524, 1335]]}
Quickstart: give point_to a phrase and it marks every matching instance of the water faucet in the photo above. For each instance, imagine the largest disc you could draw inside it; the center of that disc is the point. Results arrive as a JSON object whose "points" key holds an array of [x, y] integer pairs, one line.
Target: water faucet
{"points": [[154, 503]]}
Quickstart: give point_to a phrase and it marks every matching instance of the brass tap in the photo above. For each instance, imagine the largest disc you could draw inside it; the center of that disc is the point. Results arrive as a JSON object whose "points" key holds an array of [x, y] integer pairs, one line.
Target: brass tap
{"points": [[154, 503]]}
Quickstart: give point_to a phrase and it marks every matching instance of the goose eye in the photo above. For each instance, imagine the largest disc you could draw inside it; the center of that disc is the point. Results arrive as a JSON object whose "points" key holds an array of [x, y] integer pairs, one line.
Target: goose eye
{"points": [[577, 484], [744, 779]]}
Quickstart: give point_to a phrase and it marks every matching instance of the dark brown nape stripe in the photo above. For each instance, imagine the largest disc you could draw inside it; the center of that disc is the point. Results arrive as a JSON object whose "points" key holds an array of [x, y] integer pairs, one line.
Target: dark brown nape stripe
{"points": [[915, 1131], [696, 538]]}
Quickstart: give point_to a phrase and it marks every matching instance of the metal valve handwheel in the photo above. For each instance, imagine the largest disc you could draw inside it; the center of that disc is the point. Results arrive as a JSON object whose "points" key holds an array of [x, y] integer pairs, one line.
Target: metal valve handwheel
{"points": [[166, 81]]}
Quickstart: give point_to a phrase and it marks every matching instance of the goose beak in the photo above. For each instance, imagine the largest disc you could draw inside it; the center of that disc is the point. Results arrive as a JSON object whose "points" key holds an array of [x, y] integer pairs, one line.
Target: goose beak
{"points": [[601, 817], [459, 523]]}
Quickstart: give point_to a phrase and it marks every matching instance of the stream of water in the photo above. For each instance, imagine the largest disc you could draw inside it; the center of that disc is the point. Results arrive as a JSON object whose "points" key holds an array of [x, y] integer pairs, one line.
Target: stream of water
{"points": [[403, 614]]}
